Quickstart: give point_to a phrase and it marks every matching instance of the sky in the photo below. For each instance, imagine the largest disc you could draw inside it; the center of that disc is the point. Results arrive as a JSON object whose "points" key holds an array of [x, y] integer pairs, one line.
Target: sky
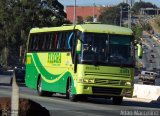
{"points": [[100, 2]]}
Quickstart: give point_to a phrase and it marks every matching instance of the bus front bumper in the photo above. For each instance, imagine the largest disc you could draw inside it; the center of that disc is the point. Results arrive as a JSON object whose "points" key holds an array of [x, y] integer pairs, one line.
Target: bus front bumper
{"points": [[83, 89]]}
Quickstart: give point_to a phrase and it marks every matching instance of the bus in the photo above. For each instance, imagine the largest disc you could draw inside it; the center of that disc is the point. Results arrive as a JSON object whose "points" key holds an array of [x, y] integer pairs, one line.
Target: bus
{"points": [[86, 60]]}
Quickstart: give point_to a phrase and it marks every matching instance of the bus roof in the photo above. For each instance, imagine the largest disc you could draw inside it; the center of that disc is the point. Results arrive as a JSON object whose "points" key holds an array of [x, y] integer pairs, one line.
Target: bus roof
{"points": [[97, 28]]}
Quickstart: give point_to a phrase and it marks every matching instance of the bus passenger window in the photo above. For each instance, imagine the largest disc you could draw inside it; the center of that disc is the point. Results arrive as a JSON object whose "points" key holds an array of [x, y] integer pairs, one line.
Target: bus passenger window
{"points": [[40, 42], [55, 41], [52, 37], [31, 40], [70, 40], [34, 44], [59, 40]]}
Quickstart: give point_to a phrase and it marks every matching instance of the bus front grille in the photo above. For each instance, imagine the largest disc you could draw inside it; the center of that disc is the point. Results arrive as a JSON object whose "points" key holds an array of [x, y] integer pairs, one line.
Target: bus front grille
{"points": [[107, 82], [104, 90]]}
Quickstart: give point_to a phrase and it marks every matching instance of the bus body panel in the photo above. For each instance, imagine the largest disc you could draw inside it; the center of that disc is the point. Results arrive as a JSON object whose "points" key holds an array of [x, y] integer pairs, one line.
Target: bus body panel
{"points": [[55, 76], [53, 73]]}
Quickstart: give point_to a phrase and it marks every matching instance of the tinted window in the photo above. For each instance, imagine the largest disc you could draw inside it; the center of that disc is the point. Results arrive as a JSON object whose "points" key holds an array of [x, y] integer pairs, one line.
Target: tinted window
{"points": [[60, 41]]}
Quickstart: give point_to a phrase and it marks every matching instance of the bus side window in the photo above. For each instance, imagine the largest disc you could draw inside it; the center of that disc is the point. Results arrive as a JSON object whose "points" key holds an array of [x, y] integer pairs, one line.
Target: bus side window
{"points": [[44, 41], [47, 41], [55, 41], [30, 48], [70, 40], [40, 42], [63, 39], [34, 43], [45, 45], [59, 40], [52, 38]]}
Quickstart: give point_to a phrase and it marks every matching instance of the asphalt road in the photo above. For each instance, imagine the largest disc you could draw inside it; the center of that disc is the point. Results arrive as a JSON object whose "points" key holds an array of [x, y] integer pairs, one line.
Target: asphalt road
{"points": [[148, 46], [59, 106]]}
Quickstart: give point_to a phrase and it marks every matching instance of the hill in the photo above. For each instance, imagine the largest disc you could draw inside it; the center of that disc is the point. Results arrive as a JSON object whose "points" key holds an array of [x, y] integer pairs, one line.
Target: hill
{"points": [[155, 23]]}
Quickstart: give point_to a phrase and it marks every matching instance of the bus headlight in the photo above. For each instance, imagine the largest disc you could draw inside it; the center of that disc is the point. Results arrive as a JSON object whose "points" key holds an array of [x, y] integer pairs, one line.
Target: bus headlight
{"points": [[91, 81], [86, 80], [152, 77], [128, 83]]}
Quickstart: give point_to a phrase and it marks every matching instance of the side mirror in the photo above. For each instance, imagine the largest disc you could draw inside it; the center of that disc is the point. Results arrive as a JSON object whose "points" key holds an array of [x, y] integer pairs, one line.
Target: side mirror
{"points": [[78, 48], [140, 51]]}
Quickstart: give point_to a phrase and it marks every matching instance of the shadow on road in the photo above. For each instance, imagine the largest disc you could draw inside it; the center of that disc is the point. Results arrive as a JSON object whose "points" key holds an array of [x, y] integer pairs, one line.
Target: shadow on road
{"points": [[8, 84], [5, 84], [153, 104]]}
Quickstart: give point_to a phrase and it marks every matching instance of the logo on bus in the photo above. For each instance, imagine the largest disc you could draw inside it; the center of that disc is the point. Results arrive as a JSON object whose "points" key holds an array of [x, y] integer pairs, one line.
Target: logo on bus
{"points": [[54, 58], [124, 70]]}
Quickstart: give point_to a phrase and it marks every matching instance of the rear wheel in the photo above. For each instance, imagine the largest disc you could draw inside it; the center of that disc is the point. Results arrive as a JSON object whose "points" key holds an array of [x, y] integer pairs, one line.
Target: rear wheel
{"points": [[117, 100], [69, 94], [11, 81]]}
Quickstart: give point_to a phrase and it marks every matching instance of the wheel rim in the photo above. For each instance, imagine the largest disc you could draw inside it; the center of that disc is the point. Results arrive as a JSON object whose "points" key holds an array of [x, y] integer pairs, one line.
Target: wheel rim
{"points": [[69, 90], [39, 86]]}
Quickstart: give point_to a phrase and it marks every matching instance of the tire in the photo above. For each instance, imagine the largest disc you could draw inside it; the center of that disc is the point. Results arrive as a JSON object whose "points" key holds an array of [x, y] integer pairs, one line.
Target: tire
{"points": [[69, 94], [117, 100], [82, 98], [11, 81], [39, 88]]}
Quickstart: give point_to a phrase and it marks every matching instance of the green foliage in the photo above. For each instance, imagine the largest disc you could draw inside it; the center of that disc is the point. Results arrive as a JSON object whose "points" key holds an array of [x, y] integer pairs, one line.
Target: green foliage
{"points": [[17, 17], [89, 19], [79, 19], [137, 31], [111, 15], [147, 27], [138, 5]]}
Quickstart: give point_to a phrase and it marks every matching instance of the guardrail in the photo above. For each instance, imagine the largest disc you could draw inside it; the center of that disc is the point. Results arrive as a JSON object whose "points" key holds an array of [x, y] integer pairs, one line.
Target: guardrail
{"points": [[149, 92]]}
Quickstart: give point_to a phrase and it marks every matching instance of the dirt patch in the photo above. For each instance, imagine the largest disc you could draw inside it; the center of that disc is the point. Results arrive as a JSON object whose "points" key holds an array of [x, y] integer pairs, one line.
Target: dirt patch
{"points": [[26, 107]]}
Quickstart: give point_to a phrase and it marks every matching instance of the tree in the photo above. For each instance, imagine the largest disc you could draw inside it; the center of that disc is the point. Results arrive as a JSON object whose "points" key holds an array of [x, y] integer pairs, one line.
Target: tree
{"points": [[17, 17], [79, 19], [89, 18], [111, 15], [138, 5]]}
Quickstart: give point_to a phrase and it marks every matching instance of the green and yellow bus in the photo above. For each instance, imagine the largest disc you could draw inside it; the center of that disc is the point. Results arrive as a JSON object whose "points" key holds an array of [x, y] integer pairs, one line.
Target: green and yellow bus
{"points": [[88, 60]]}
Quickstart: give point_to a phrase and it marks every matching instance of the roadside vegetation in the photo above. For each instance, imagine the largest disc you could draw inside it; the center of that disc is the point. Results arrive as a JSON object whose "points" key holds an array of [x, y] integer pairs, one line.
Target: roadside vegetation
{"points": [[155, 23], [17, 17]]}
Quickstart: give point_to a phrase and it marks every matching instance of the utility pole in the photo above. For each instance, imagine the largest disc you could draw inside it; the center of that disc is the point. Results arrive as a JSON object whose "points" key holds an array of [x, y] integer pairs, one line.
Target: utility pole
{"points": [[129, 16], [93, 12], [120, 15], [74, 20]]}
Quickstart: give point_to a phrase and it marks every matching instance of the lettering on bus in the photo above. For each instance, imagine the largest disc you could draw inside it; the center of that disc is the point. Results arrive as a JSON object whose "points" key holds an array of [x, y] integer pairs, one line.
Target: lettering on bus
{"points": [[92, 68], [54, 58], [124, 71]]}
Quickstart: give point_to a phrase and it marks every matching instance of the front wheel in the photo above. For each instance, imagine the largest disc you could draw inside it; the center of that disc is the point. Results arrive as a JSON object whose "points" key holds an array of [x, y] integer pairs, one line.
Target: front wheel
{"points": [[39, 88], [117, 100], [69, 94]]}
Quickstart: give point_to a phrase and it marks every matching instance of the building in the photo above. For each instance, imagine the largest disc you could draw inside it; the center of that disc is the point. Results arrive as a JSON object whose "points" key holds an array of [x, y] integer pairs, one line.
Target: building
{"points": [[84, 11]]}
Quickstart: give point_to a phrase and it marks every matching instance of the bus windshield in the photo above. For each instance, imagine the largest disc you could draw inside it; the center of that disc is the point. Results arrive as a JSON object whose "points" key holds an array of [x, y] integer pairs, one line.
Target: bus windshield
{"points": [[107, 49]]}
